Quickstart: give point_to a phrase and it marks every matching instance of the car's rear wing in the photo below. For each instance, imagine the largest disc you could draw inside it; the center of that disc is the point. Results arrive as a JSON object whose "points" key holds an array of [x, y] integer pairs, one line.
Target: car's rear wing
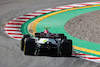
{"points": [[48, 35]]}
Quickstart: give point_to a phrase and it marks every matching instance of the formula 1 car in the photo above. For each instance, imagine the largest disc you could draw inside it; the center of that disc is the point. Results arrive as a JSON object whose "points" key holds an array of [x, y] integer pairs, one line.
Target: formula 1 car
{"points": [[46, 44]]}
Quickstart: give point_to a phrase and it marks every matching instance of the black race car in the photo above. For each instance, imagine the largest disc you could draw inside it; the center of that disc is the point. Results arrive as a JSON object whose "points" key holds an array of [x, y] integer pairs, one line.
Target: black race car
{"points": [[46, 44]]}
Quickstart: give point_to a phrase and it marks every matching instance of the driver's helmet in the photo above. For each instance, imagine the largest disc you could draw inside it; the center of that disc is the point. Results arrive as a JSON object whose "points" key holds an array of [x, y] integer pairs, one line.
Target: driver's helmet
{"points": [[46, 31]]}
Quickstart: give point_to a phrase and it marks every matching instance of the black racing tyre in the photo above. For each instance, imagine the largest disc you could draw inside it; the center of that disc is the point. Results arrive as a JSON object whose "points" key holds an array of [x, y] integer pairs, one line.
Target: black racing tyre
{"points": [[66, 48], [23, 40], [22, 44], [29, 47]]}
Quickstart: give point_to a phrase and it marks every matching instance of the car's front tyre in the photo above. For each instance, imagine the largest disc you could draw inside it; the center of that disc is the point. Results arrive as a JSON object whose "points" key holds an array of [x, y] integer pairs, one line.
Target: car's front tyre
{"points": [[23, 40]]}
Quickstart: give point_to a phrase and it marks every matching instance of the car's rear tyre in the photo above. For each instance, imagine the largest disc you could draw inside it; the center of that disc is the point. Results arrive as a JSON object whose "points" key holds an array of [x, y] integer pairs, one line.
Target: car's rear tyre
{"points": [[66, 48], [22, 44], [29, 47], [23, 40]]}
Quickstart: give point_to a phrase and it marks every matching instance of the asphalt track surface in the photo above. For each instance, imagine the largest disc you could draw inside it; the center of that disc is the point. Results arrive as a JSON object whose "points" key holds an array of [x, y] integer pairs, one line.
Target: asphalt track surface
{"points": [[10, 53]]}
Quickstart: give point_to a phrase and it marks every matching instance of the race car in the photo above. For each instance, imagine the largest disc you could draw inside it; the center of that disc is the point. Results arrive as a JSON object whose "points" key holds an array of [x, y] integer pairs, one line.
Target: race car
{"points": [[46, 44]]}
